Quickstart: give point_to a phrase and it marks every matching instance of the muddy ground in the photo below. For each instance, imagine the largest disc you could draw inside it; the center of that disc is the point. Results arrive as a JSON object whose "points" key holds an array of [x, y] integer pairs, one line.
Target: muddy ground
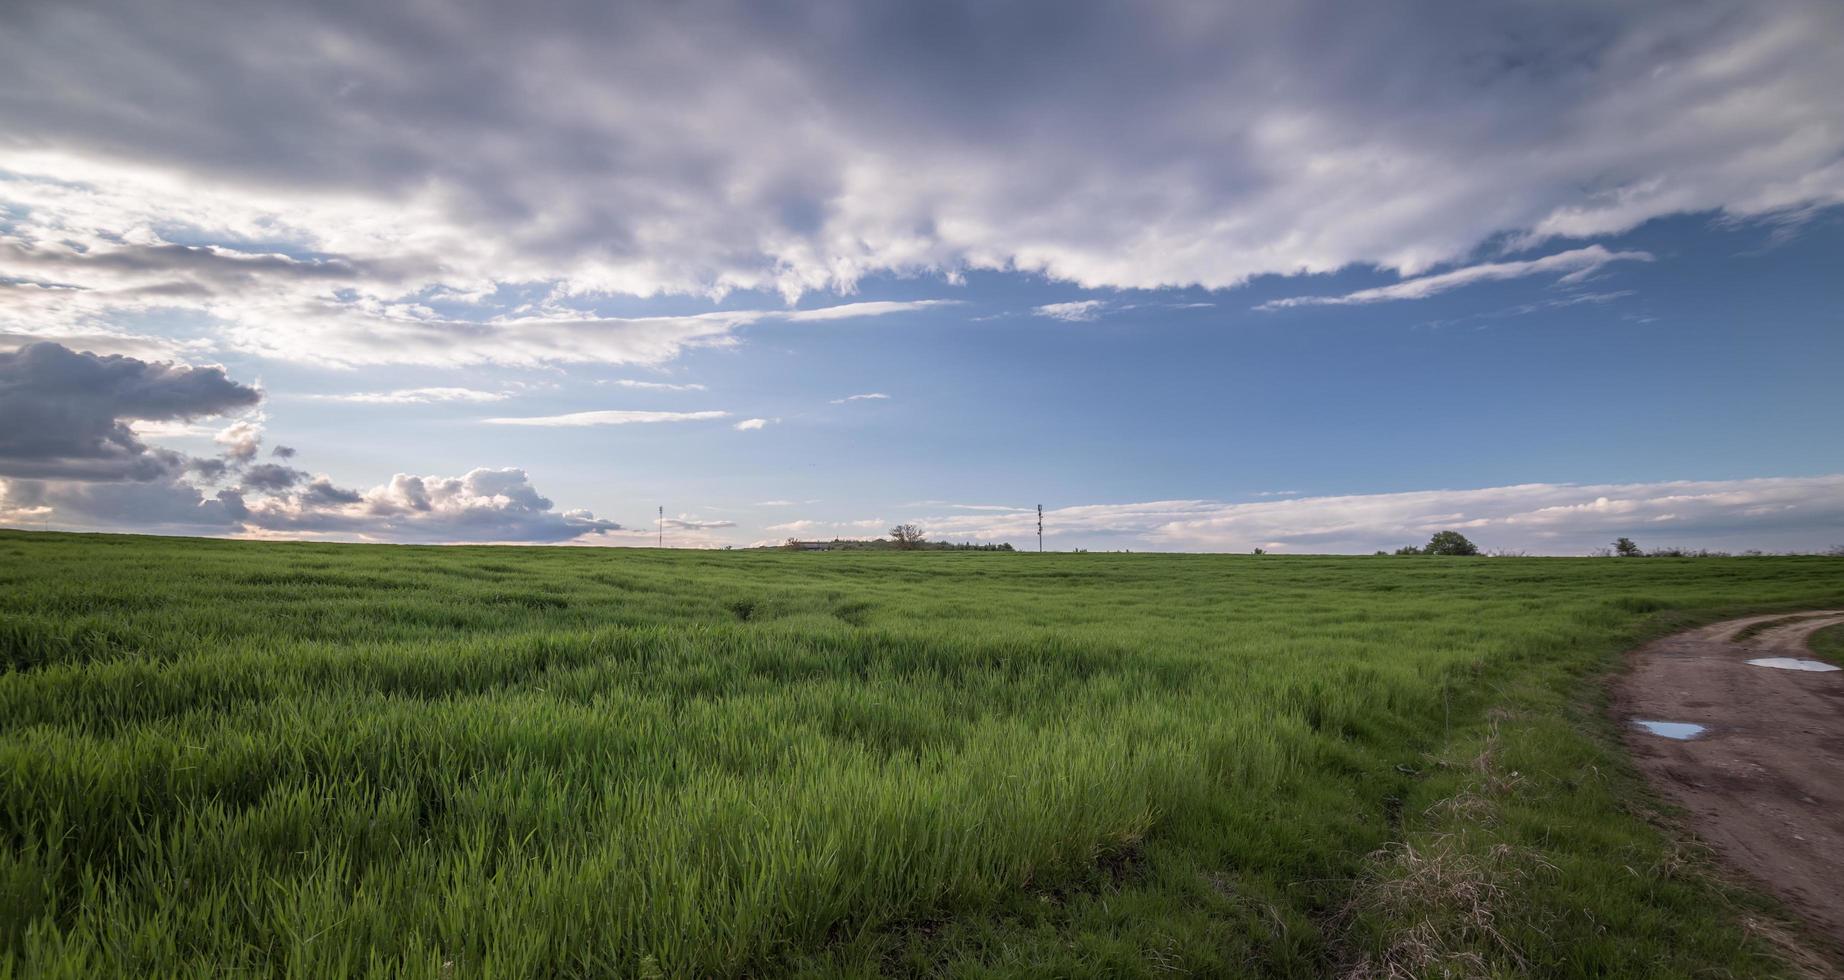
{"points": [[1764, 781]]}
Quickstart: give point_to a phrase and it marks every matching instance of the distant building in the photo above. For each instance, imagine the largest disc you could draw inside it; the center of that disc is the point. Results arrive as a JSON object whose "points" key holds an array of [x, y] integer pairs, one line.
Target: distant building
{"points": [[794, 545]]}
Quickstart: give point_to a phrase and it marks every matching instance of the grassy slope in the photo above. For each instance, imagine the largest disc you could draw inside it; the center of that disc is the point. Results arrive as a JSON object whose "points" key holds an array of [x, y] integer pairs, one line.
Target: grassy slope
{"points": [[1828, 643], [326, 760]]}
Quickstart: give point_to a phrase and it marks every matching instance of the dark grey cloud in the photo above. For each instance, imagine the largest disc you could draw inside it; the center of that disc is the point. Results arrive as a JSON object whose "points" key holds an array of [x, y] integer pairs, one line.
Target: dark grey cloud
{"points": [[321, 492], [210, 470], [272, 477], [802, 145], [157, 505], [68, 413], [68, 454], [283, 452]]}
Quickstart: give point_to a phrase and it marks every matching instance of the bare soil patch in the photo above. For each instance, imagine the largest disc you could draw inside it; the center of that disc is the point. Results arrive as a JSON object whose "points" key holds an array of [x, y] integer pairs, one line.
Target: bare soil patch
{"points": [[1763, 782]]}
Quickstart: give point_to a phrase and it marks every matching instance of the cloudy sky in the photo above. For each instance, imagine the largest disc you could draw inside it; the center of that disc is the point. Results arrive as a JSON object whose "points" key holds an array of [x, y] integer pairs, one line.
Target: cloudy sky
{"points": [[1195, 276]]}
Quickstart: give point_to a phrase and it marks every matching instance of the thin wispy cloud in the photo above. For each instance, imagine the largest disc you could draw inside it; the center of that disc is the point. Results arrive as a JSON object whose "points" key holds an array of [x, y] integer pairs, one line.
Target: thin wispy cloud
{"points": [[752, 425], [1539, 306], [870, 396], [1573, 266], [608, 417], [854, 527], [686, 522], [879, 308], [416, 396], [652, 385]]}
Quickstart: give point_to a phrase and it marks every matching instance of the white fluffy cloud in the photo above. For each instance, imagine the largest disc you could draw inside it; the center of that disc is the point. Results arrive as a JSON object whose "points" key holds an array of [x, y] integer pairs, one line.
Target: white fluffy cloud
{"points": [[1785, 513], [241, 440], [365, 199], [1075, 312], [483, 505], [751, 425]]}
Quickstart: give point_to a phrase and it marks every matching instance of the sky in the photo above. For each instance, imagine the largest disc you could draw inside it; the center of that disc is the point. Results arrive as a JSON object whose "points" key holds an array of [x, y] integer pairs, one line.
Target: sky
{"points": [[1306, 277]]}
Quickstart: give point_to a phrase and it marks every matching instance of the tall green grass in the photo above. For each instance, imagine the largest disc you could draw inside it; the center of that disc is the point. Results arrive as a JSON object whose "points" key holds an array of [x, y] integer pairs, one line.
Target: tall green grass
{"points": [[333, 760]]}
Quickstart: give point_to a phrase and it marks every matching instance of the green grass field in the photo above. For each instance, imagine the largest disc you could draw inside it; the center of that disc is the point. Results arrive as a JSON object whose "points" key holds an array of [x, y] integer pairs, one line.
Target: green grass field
{"points": [[313, 760]]}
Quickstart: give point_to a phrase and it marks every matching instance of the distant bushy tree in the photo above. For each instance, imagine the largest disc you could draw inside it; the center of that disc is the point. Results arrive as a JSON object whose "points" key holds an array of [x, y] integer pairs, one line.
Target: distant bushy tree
{"points": [[906, 536], [1408, 549], [1685, 553], [1625, 548], [1450, 543]]}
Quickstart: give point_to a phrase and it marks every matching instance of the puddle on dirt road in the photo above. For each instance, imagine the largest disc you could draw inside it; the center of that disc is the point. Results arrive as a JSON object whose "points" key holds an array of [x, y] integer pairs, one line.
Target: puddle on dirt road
{"points": [[1792, 663], [1680, 730]]}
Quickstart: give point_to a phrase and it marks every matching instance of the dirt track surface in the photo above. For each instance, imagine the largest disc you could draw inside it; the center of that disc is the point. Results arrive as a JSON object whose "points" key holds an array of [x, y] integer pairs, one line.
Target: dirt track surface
{"points": [[1764, 782]]}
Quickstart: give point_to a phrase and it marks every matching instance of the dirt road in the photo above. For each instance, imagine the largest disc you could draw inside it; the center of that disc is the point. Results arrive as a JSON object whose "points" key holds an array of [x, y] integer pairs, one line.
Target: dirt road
{"points": [[1764, 778]]}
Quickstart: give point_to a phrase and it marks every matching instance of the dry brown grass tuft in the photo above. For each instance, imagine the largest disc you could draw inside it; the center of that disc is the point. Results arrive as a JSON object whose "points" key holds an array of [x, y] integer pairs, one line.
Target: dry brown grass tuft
{"points": [[1440, 896], [1445, 895], [1797, 950]]}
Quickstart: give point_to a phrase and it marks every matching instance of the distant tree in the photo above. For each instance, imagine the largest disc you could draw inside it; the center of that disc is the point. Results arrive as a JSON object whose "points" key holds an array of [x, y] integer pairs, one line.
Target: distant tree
{"points": [[906, 536], [1625, 548], [1685, 553], [1450, 543], [1261, 551], [1408, 549]]}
